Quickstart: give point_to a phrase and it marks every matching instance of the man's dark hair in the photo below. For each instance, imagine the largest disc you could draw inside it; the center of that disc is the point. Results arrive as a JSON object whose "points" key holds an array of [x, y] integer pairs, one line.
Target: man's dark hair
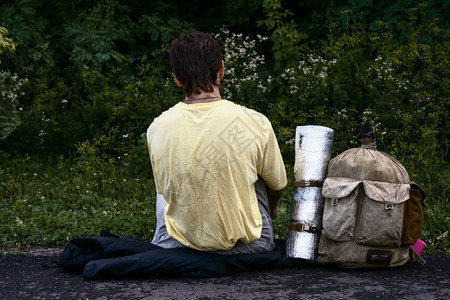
{"points": [[195, 59]]}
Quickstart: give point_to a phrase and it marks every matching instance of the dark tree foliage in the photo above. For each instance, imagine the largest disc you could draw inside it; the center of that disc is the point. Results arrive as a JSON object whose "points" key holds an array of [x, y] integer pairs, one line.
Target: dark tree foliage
{"points": [[76, 52]]}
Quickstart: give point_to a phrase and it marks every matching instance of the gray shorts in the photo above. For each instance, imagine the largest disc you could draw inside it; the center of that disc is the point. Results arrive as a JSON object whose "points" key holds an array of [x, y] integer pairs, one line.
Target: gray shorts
{"points": [[263, 244]]}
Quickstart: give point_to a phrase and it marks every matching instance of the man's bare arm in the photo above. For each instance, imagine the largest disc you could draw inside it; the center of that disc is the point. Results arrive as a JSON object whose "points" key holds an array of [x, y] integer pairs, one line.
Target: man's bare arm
{"points": [[274, 201]]}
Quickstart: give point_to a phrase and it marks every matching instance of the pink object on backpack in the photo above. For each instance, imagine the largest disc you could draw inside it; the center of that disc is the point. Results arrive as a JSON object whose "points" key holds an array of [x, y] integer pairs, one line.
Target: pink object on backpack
{"points": [[418, 246]]}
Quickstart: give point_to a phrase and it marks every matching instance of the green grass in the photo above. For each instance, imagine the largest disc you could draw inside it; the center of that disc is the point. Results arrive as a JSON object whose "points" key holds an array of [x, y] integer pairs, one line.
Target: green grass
{"points": [[46, 203]]}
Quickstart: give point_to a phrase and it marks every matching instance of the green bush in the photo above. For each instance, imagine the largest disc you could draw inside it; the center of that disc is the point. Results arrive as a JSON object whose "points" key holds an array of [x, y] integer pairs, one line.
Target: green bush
{"points": [[393, 78]]}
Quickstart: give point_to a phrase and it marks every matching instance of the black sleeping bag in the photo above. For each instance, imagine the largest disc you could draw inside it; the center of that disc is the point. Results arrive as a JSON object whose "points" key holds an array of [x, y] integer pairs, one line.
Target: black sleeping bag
{"points": [[109, 256]]}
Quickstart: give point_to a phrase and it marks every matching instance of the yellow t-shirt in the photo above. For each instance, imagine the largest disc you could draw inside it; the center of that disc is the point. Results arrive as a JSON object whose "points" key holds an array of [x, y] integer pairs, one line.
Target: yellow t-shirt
{"points": [[206, 158]]}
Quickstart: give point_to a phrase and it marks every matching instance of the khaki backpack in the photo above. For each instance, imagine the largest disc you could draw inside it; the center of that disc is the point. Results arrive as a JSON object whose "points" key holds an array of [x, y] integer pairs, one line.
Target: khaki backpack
{"points": [[373, 213]]}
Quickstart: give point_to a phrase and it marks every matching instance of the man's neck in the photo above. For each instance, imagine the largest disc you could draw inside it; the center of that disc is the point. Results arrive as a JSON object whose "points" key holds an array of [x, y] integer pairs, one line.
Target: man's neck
{"points": [[203, 97]]}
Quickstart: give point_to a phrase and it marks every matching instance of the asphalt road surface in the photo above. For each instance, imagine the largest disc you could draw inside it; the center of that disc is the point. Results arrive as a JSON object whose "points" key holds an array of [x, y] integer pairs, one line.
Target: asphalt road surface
{"points": [[26, 277]]}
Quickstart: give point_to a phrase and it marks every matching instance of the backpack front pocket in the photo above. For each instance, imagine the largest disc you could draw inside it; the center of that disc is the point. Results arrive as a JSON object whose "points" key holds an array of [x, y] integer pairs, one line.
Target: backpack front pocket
{"points": [[342, 196], [381, 214]]}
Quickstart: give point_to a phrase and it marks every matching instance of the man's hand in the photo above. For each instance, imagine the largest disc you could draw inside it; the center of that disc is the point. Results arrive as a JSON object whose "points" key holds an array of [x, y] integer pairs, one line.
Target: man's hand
{"points": [[274, 201]]}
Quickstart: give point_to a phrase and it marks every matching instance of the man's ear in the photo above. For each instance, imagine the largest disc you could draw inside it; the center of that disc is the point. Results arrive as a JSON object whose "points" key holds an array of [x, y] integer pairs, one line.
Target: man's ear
{"points": [[177, 81], [222, 70]]}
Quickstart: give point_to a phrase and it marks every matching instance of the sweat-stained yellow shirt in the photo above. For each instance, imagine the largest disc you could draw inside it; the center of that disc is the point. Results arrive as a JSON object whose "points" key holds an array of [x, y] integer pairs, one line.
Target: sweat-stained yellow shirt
{"points": [[206, 158]]}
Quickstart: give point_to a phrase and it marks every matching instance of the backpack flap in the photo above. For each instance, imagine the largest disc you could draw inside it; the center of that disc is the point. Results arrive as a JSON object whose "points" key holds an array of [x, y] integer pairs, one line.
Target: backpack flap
{"points": [[339, 187], [386, 192]]}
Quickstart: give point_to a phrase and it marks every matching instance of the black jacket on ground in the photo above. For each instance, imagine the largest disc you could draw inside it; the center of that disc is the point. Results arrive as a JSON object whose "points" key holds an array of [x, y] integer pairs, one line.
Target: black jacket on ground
{"points": [[109, 256]]}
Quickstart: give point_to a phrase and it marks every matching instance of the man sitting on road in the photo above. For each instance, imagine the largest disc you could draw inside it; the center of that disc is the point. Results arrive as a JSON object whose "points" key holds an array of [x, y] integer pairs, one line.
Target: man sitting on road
{"points": [[217, 165]]}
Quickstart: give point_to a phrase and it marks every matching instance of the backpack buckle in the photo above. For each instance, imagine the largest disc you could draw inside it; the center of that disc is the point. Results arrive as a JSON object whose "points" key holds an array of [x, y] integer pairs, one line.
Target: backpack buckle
{"points": [[334, 201], [389, 206]]}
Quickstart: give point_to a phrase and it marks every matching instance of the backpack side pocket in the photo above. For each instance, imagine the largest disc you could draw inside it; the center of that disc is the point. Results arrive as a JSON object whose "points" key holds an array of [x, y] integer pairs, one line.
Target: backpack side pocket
{"points": [[413, 216]]}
